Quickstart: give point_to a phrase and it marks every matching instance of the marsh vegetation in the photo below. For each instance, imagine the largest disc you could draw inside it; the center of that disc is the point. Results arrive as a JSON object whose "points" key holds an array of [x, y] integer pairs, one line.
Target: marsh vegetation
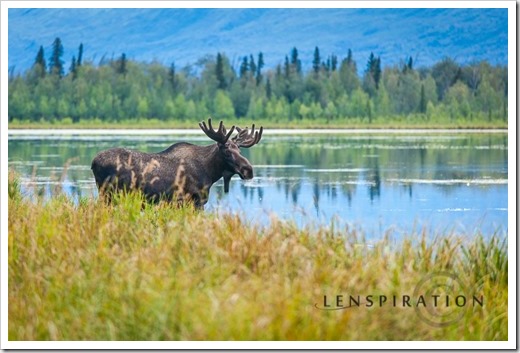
{"points": [[91, 271]]}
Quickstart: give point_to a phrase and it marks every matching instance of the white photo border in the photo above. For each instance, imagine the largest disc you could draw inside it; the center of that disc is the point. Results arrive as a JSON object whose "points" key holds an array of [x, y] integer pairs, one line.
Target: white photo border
{"points": [[318, 345]]}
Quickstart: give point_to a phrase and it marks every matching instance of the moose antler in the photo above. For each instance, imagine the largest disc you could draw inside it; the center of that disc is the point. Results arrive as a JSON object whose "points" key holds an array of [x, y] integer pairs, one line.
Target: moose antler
{"points": [[220, 136], [246, 139]]}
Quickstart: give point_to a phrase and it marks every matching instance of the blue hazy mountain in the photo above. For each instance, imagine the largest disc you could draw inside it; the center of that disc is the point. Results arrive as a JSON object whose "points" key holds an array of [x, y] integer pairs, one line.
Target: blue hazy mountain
{"points": [[185, 35]]}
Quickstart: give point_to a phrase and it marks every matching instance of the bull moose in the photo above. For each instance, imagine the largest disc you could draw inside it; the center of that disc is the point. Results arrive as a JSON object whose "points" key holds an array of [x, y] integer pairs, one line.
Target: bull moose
{"points": [[183, 172]]}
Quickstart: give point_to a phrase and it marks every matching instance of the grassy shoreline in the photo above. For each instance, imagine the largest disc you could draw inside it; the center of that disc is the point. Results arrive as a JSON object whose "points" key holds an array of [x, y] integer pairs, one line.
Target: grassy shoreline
{"points": [[91, 271], [380, 123]]}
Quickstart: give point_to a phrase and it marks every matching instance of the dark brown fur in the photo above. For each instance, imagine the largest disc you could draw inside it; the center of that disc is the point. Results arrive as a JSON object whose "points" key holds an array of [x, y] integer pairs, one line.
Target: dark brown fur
{"points": [[183, 172]]}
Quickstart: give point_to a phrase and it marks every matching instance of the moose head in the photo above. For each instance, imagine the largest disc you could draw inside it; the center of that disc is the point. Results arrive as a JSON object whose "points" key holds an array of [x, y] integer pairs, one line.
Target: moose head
{"points": [[229, 149]]}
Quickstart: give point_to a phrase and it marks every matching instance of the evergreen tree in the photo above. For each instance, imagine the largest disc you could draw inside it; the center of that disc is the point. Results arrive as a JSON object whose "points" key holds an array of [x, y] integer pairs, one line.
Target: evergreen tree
{"points": [[259, 67], [73, 68], [121, 65], [408, 66], [316, 61], [349, 57], [297, 64], [252, 65], [374, 69], [171, 77], [244, 67], [326, 65], [219, 71], [334, 62], [39, 63], [80, 55], [287, 70], [422, 102], [377, 72], [55, 62], [370, 63], [268, 91]]}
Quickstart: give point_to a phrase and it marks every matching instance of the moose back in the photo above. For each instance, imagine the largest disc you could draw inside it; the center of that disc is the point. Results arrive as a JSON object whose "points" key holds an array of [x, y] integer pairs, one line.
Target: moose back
{"points": [[181, 173]]}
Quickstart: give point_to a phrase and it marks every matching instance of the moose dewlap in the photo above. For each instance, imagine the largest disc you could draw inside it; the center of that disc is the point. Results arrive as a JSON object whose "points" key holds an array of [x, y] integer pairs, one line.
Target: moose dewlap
{"points": [[183, 172]]}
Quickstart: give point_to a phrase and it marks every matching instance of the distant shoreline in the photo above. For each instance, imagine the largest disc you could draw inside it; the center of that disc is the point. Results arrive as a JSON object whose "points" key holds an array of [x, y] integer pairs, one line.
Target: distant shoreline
{"points": [[28, 132]]}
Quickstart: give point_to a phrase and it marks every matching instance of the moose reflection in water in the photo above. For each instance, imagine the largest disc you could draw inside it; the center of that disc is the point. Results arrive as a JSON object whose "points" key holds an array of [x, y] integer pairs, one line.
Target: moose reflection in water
{"points": [[183, 172]]}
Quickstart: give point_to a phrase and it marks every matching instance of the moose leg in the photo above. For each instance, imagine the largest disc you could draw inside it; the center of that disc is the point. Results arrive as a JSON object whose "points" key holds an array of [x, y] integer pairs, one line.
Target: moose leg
{"points": [[106, 189], [201, 198]]}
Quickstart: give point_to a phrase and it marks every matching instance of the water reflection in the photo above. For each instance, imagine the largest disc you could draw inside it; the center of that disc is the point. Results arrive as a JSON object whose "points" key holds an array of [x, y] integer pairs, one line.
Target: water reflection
{"points": [[376, 181]]}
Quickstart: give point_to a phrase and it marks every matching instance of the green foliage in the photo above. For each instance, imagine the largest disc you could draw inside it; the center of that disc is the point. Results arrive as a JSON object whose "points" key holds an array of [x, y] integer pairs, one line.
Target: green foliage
{"points": [[332, 92], [223, 107]]}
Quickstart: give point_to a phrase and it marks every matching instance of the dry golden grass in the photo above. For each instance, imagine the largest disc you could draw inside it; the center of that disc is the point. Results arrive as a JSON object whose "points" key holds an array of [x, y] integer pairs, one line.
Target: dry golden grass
{"points": [[91, 271]]}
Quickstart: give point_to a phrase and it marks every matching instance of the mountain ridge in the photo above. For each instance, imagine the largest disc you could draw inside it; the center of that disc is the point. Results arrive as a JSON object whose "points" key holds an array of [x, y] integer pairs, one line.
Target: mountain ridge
{"points": [[185, 35]]}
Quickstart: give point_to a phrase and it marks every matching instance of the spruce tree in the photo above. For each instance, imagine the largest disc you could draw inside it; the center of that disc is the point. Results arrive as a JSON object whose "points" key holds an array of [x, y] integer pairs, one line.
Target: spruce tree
{"points": [[334, 62], [370, 63], [349, 57], [244, 67], [219, 71], [374, 69], [55, 63], [268, 90], [408, 66], [74, 68], [259, 67], [286, 68], [39, 63], [171, 77], [295, 61], [252, 65], [327, 65], [377, 71], [121, 67], [316, 61], [422, 102], [80, 55]]}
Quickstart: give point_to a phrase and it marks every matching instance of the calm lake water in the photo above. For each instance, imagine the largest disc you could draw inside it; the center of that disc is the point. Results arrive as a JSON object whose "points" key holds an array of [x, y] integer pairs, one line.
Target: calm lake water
{"points": [[375, 182]]}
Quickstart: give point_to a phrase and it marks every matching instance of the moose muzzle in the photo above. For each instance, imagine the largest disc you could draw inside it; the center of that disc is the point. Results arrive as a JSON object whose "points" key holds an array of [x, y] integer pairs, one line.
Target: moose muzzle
{"points": [[246, 172]]}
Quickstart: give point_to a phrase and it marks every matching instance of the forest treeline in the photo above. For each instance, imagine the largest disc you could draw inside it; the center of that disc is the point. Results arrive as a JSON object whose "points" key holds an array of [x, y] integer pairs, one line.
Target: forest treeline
{"points": [[331, 90]]}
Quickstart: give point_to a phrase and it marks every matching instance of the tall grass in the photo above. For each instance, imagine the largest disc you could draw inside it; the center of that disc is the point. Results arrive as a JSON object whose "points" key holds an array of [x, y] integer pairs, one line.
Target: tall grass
{"points": [[91, 271]]}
